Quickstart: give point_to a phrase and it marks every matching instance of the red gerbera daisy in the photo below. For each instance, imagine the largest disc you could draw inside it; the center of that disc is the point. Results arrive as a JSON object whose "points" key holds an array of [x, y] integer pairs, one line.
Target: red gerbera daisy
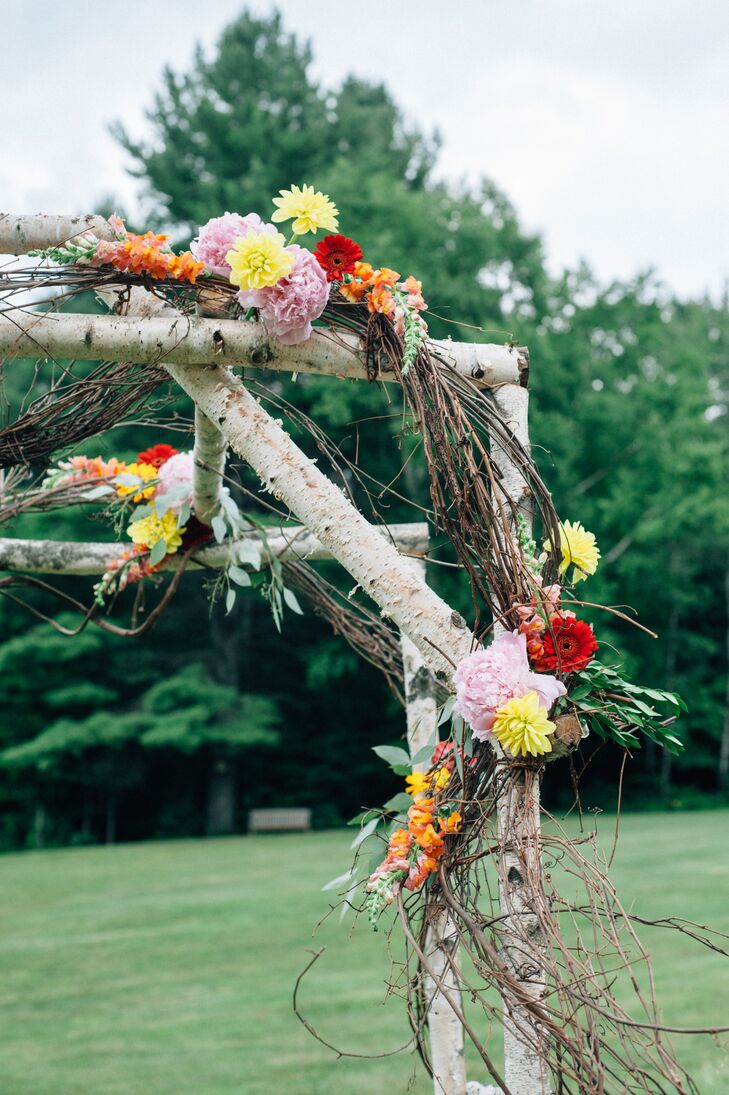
{"points": [[337, 256], [569, 645], [156, 455]]}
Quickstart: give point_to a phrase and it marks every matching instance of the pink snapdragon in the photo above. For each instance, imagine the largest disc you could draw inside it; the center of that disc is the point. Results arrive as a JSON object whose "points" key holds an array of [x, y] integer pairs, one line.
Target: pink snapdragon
{"points": [[488, 678], [217, 237], [288, 307]]}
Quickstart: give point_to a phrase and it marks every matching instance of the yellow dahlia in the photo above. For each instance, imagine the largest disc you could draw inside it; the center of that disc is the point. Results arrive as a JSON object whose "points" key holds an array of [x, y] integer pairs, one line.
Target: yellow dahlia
{"points": [[579, 549], [259, 259], [145, 472], [147, 531], [309, 209], [522, 726]]}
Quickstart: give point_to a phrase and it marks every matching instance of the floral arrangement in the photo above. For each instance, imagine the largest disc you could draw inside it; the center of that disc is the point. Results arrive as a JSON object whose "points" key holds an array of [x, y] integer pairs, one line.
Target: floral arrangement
{"points": [[159, 485], [290, 286], [511, 694], [285, 284]]}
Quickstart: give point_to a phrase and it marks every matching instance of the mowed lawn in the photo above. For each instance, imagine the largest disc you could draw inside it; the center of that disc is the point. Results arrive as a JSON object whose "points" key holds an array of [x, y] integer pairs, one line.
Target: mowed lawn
{"points": [[168, 968]]}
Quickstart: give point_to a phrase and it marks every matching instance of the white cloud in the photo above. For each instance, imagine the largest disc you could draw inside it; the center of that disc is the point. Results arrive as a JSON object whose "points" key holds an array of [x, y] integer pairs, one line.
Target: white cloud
{"points": [[604, 123]]}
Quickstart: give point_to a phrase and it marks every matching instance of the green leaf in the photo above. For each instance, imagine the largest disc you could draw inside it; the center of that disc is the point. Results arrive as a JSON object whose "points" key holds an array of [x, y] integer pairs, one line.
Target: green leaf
{"points": [[400, 801], [157, 553], [392, 755], [220, 529], [365, 831], [240, 577], [422, 755], [229, 601], [290, 598]]}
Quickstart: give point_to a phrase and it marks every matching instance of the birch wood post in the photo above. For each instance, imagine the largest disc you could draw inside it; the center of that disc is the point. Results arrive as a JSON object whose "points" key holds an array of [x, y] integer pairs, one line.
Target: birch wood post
{"points": [[209, 452], [446, 1032], [518, 823]]}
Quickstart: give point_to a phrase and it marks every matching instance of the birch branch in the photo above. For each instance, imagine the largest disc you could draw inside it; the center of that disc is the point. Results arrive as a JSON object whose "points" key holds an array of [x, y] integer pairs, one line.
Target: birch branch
{"points": [[446, 1032], [518, 825], [209, 451], [64, 557], [178, 340], [20, 234], [440, 634]]}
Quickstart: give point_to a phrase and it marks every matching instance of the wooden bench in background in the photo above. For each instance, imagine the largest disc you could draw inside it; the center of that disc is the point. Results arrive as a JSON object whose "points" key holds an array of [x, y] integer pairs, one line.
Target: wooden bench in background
{"points": [[286, 819]]}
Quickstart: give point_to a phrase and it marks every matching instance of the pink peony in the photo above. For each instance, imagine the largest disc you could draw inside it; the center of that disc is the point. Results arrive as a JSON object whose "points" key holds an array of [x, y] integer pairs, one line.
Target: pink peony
{"points": [[217, 237], [488, 678], [288, 307], [176, 472]]}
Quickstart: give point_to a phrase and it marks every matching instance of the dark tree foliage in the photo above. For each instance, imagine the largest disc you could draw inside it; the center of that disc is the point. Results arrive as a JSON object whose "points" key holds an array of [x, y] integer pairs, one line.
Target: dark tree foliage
{"points": [[628, 420]]}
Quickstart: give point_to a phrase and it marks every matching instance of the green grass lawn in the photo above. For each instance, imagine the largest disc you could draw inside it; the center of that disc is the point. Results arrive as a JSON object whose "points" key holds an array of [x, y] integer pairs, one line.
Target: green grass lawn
{"points": [[168, 968]]}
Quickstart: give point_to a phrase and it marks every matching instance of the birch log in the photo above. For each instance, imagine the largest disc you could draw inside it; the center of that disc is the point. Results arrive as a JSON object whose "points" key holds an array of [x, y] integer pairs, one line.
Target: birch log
{"points": [[179, 340], [518, 822], [209, 453], [64, 557], [444, 1026], [20, 234]]}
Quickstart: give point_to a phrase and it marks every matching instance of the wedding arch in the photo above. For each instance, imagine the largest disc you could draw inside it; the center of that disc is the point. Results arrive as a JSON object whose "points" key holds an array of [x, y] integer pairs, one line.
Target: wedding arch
{"points": [[469, 881]]}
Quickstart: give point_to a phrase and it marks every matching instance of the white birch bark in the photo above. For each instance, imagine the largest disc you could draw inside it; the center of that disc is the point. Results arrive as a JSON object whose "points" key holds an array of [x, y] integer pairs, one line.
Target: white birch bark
{"points": [[20, 234], [179, 340], [518, 823], [65, 557], [440, 634], [209, 452], [444, 1026]]}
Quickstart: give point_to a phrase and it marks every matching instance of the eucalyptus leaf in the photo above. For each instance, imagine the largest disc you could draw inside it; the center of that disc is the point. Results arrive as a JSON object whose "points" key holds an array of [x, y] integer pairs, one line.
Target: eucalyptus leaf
{"points": [[290, 599], [392, 754], [220, 529], [240, 577], [157, 553]]}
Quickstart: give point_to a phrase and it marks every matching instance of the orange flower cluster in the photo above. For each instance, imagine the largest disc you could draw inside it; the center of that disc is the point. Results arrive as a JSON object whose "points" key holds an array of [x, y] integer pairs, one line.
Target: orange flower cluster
{"points": [[374, 286], [412, 854], [79, 468], [148, 254]]}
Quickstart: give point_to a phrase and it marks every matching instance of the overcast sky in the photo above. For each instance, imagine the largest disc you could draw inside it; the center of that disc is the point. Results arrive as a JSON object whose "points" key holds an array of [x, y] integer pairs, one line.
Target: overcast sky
{"points": [[606, 123]]}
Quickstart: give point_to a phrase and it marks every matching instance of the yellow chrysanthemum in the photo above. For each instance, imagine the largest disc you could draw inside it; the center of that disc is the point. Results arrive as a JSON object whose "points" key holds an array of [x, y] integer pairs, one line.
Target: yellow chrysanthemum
{"points": [[522, 726], [147, 531], [579, 548], [309, 209], [144, 472], [259, 259]]}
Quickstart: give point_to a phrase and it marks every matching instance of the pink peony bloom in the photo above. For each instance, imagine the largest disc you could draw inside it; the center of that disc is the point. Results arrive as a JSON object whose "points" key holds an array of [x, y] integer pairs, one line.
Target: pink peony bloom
{"points": [[488, 678], [176, 472], [217, 237], [288, 307]]}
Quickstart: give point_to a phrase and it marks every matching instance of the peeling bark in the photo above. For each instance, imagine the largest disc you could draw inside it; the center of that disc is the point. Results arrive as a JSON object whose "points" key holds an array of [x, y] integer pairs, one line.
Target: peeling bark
{"points": [[182, 340]]}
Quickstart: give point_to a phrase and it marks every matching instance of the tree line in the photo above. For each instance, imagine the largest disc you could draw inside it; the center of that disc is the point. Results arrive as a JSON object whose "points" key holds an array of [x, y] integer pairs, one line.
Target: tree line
{"points": [[184, 730]]}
